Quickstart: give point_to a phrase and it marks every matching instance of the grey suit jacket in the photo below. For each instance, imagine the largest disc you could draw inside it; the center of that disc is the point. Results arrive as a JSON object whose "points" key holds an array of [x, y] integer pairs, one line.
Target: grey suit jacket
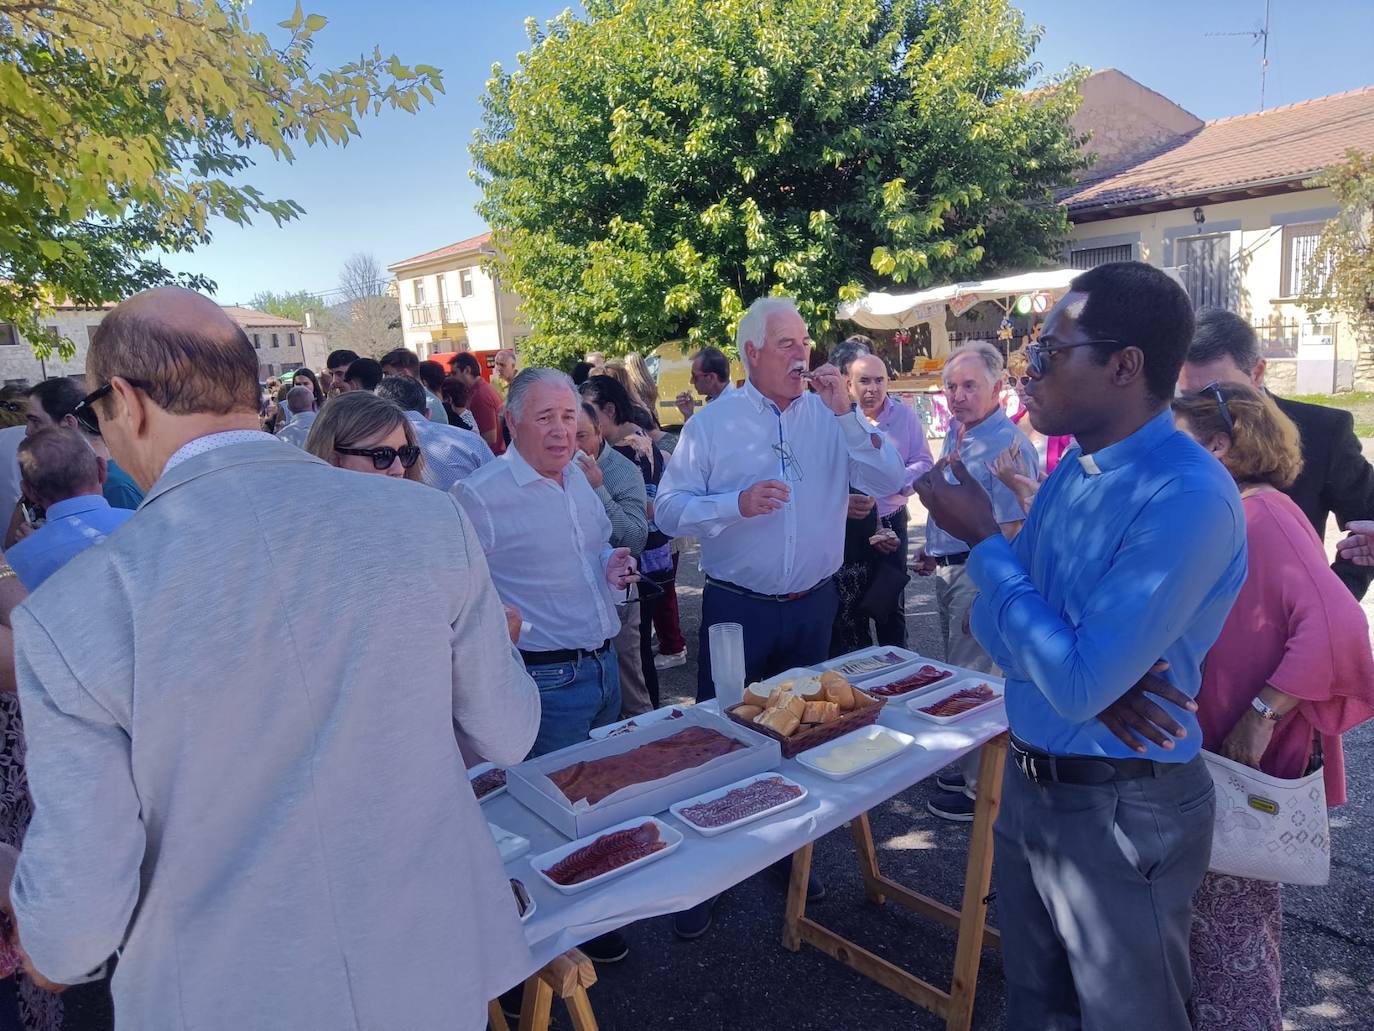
{"points": [[241, 711]]}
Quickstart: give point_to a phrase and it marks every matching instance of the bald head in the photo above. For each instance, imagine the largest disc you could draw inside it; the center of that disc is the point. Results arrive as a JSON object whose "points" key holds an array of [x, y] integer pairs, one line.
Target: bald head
{"points": [[300, 399], [181, 349]]}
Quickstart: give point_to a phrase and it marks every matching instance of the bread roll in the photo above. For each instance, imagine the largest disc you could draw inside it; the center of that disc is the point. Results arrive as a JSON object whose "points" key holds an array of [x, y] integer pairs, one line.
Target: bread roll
{"points": [[842, 695], [747, 712], [776, 697], [821, 712], [794, 705], [781, 721], [754, 695], [811, 689]]}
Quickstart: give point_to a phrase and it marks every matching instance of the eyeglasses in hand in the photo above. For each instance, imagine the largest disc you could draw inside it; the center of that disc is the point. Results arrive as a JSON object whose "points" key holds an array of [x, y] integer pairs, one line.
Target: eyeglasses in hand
{"points": [[382, 457]]}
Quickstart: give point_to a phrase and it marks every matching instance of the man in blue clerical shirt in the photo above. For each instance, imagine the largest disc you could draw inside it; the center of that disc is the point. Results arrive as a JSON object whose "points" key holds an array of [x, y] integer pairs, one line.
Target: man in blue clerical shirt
{"points": [[62, 476], [1130, 557]]}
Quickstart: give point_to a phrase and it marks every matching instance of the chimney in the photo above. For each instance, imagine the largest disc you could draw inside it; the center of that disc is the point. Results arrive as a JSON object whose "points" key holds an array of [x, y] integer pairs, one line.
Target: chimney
{"points": [[309, 320]]}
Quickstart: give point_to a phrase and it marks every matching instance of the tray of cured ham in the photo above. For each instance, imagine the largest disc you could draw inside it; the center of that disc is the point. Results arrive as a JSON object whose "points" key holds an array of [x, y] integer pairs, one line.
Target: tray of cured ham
{"points": [[958, 700], [908, 680], [597, 858], [629, 726], [867, 663], [736, 804], [488, 780]]}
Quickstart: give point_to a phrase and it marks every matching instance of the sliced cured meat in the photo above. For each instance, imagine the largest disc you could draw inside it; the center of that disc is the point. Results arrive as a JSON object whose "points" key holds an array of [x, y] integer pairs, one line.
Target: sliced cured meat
{"points": [[741, 803], [869, 663], [923, 677], [689, 748], [961, 701], [607, 853], [485, 783]]}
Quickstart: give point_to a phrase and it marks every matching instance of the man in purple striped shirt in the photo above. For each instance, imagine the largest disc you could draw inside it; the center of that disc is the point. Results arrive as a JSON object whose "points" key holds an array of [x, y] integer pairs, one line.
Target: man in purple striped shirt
{"points": [[902, 427]]}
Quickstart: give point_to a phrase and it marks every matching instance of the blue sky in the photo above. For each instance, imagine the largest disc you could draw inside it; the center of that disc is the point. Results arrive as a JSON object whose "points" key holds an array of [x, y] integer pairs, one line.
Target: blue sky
{"points": [[403, 187]]}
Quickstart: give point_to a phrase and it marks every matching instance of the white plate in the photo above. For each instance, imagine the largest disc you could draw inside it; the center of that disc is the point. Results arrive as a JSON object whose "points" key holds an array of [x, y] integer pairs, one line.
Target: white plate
{"points": [[809, 757], [710, 796], [648, 718], [902, 672], [508, 843], [943, 690], [540, 863], [481, 768], [906, 657]]}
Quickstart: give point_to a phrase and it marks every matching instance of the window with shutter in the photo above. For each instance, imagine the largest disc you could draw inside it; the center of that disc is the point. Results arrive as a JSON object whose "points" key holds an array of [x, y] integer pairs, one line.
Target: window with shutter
{"points": [[1299, 251], [1091, 257]]}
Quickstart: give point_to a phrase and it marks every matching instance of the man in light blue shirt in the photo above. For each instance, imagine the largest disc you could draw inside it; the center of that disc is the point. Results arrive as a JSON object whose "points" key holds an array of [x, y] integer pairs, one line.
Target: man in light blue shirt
{"points": [[451, 454], [62, 475], [1132, 553]]}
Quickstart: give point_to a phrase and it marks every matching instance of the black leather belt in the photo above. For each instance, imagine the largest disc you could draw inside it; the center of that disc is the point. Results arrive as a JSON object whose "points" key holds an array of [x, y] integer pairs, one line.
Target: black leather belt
{"points": [[746, 592], [951, 560], [1041, 767], [562, 655]]}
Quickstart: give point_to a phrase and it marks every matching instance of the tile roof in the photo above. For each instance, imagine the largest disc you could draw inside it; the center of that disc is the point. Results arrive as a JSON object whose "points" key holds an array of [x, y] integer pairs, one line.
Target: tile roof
{"points": [[472, 243], [247, 317], [1283, 144]]}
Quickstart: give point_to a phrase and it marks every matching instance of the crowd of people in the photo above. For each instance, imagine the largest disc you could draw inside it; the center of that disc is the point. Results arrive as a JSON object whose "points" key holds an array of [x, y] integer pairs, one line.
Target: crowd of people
{"points": [[211, 788]]}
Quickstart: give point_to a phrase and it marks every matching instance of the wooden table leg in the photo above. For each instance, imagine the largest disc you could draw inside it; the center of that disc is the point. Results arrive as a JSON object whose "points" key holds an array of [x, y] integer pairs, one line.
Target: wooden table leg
{"points": [[496, 1020], [868, 858], [796, 898], [580, 1010], [536, 1005], [977, 879]]}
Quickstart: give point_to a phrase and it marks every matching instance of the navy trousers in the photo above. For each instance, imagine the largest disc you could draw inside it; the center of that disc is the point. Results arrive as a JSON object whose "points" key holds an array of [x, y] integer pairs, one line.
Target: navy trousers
{"points": [[777, 634]]}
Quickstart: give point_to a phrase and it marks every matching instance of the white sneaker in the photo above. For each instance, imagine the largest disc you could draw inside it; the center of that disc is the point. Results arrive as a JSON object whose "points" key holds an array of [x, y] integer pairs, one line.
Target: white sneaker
{"points": [[671, 660]]}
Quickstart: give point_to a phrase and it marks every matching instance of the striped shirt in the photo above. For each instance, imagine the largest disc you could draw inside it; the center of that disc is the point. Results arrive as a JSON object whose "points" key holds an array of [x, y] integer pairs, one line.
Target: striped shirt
{"points": [[622, 492]]}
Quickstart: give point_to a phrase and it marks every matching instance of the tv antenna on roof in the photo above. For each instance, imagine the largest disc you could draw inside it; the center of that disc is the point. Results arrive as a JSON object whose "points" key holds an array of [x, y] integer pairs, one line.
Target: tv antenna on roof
{"points": [[1261, 36]]}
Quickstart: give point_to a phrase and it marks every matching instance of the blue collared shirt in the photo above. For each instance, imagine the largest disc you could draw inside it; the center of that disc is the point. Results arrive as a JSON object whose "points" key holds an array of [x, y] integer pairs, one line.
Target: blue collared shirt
{"points": [[120, 489], [981, 444], [1130, 555], [72, 527]]}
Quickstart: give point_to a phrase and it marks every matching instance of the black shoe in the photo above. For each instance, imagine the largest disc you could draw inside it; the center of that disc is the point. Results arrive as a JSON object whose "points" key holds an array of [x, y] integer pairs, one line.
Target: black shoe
{"points": [[606, 948], [782, 871], [694, 922], [510, 1003], [815, 890], [954, 806], [950, 781]]}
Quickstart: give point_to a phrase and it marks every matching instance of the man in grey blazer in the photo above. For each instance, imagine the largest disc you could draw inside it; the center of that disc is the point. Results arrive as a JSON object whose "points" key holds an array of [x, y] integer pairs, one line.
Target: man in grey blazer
{"points": [[243, 759]]}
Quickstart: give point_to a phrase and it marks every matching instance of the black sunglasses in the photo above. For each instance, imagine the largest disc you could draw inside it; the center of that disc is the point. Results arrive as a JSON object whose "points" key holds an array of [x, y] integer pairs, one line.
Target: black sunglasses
{"points": [[1038, 354], [1214, 389], [84, 413], [382, 457]]}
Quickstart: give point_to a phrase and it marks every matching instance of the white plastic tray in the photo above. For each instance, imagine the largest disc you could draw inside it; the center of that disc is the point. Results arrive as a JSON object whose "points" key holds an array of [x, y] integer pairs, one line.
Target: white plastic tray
{"points": [[508, 843], [542, 862], [907, 657], [481, 768], [902, 672], [944, 689], [709, 796], [641, 721], [809, 757]]}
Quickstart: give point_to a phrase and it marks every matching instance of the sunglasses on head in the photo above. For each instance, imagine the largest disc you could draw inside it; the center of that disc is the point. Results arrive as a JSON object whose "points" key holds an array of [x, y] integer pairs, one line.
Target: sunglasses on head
{"points": [[1213, 390], [382, 457], [84, 413]]}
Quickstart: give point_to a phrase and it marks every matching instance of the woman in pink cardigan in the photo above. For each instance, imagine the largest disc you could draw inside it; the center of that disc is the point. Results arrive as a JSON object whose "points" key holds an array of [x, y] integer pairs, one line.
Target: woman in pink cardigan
{"points": [[1292, 665]]}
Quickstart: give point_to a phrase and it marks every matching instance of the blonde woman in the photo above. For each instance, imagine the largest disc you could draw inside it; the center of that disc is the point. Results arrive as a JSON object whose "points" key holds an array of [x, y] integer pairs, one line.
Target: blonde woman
{"points": [[367, 434]]}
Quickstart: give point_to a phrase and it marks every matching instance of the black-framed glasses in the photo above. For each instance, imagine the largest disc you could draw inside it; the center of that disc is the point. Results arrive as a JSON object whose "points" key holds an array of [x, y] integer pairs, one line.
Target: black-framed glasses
{"points": [[84, 413], [1214, 390], [1038, 354], [382, 457]]}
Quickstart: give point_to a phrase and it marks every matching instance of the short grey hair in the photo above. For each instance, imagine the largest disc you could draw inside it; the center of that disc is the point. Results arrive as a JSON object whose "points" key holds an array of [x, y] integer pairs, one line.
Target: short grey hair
{"points": [[1218, 333], [406, 393], [525, 381], [300, 399], [753, 327], [57, 463], [985, 353]]}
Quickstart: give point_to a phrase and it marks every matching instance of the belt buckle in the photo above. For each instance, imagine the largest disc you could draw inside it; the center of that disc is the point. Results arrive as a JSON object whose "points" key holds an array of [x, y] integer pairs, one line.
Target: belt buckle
{"points": [[1028, 764]]}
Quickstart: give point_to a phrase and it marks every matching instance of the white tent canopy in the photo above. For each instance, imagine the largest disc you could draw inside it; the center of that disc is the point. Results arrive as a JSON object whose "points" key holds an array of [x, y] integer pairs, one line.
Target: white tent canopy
{"points": [[898, 311]]}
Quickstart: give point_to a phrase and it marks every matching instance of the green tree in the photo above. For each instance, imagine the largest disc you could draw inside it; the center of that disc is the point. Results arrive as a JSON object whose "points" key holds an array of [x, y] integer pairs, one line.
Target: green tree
{"points": [[654, 166], [1340, 274], [291, 305], [123, 124]]}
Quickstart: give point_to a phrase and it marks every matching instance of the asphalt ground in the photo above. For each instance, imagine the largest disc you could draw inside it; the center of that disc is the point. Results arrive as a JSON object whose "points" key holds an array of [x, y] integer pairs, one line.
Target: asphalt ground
{"points": [[738, 975]]}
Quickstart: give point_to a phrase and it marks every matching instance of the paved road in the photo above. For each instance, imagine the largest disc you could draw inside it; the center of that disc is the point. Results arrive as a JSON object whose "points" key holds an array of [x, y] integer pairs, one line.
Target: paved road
{"points": [[739, 975]]}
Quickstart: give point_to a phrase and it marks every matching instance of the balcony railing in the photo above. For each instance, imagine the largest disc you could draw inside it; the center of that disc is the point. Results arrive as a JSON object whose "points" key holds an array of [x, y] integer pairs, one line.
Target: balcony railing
{"points": [[447, 313]]}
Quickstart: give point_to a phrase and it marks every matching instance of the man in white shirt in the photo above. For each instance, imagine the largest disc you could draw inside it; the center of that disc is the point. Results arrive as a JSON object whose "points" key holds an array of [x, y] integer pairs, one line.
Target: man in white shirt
{"points": [[547, 540], [761, 476], [451, 454], [300, 402]]}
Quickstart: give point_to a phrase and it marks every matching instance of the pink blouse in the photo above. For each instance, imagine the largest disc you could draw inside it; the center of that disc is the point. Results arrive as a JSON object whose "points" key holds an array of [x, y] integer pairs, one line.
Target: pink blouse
{"points": [[1297, 628]]}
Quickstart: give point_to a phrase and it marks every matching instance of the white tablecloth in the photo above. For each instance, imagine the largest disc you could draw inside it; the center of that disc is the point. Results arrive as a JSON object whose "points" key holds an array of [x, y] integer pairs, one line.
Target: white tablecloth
{"points": [[703, 867]]}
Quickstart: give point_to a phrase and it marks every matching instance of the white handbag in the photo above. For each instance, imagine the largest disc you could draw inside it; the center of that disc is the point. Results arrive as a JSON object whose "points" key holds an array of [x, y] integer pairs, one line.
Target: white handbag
{"points": [[1269, 829]]}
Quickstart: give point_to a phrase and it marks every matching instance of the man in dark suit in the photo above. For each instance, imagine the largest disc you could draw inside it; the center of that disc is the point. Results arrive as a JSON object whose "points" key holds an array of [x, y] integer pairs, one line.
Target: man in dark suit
{"points": [[1336, 477]]}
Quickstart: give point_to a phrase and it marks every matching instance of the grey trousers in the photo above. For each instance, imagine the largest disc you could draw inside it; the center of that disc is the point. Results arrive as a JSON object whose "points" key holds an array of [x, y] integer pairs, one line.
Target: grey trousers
{"points": [[955, 593], [634, 692], [1095, 885]]}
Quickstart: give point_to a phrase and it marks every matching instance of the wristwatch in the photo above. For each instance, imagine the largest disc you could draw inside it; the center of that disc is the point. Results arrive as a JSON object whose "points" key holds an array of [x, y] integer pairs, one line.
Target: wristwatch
{"points": [[1266, 711]]}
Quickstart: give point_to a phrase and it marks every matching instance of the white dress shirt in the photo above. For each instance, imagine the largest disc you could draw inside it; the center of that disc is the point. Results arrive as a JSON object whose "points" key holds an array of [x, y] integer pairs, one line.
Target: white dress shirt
{"points": [[742, 438], [547, 546], [451, 454], [295, 431]]}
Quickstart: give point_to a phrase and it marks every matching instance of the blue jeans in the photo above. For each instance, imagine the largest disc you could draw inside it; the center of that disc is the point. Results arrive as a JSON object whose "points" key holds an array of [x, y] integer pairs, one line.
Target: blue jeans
{"points": [[575, 697]]}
